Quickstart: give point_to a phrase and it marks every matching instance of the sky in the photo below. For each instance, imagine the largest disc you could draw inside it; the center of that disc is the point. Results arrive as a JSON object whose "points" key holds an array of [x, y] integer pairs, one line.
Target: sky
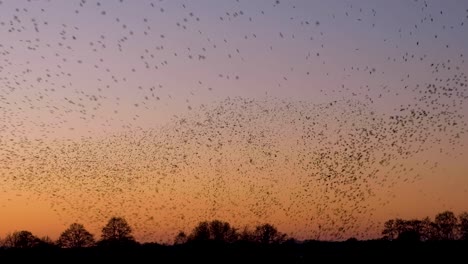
{"points": [[324, 118]]}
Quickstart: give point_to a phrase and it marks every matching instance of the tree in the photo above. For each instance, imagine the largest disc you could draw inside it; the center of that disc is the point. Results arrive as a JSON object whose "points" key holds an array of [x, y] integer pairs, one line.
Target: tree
{"points": [[76, 236], [268, 234], [390, 231], [21, 239], [463, 219], [428, 230], [201, 232], [413, 231], [408, 229], [180, 238], [46, 242], [117, 231], [215, 230], [246, 235], [222, 231], [446, 225]]}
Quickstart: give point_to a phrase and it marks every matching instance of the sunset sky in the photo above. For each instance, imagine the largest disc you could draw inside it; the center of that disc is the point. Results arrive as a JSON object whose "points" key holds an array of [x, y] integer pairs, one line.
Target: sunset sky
{"points": [[324, 118]]}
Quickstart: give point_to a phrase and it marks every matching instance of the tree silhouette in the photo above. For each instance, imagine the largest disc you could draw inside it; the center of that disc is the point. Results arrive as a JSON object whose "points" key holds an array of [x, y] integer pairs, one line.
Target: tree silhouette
{"points": [[427, 229], [21, 239], [268, 234], [246, 235], [215, 230], [76, 236], [180, 238], [399, 229], [222, 231], [201, 232], [390, 231], [117, 231], [446, 224], [463, 219], [46, 242]]}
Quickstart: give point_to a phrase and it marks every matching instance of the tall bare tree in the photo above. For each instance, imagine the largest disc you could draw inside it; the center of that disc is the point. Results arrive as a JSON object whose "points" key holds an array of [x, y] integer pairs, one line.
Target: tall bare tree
{"points": [[75, 236], [117, 231]]}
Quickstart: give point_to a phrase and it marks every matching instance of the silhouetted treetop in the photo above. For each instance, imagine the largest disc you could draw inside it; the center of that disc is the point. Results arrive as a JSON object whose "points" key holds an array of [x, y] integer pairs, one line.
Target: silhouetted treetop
{"points": [[21, 239], [215, 230], [446, 224], [181, 238], [463, 219], [117, 230], [268, 234], [76, 236]]}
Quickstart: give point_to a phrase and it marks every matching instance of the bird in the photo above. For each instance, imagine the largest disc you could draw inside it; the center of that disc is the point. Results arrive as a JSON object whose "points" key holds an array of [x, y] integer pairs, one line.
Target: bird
{"points": [[174, 112]]}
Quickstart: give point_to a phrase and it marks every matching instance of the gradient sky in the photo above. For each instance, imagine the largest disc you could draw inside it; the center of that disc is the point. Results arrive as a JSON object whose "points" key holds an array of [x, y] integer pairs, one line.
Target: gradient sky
{"points": [[87, 78]]}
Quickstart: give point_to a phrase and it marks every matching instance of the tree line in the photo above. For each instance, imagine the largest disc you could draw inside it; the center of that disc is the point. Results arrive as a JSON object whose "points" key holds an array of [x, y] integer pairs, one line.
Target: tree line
{"points": [[117, 232], [446, 226]]}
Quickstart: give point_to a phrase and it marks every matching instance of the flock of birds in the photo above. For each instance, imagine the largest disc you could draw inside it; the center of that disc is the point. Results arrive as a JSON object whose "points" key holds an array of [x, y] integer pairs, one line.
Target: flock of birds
{"points": [[96, 123]]}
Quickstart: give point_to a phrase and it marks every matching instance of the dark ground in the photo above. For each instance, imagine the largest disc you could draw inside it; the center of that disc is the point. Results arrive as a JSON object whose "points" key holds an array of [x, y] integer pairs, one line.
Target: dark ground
{"points": [[212, 252]]}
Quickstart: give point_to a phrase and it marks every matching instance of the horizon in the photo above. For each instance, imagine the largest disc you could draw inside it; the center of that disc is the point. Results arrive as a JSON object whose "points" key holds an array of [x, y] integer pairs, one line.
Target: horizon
{"points": [[397, 229]]}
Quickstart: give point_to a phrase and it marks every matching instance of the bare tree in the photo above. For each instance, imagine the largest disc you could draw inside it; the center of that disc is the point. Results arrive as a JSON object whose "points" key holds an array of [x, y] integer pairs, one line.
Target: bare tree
{"points": [[246, 234], [215, 230], [222, 231], [428, 230], [117, 231], [409, 229], [446, 224], [201, 232], [463, 224], [390, 231], [21, 239], [76, 236], [268, 234], [180, 238]]}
